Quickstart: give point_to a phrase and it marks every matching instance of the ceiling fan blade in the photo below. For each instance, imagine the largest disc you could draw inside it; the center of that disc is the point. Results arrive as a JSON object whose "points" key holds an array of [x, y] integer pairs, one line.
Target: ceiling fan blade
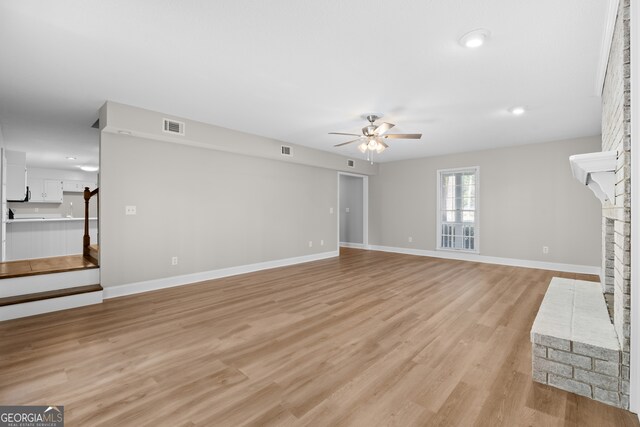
{"points": [[345, 143], [342, 133], [380, 141], [404, 136], [383, 128]]}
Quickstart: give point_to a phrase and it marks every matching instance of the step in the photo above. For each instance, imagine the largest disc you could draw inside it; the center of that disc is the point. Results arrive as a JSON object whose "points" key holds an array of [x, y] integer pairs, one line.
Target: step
{"points": [[31, 284], [92, 254], [39, 296], [45, 302], [34, 267]]}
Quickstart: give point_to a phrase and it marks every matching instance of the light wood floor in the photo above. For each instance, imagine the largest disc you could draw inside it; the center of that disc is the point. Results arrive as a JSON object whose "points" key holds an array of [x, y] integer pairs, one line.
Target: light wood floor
{"points": [[365, 339]]}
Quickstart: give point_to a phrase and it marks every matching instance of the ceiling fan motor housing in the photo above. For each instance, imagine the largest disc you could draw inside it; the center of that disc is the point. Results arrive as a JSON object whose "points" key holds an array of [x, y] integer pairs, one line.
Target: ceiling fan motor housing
{"points": [[369, 130]]}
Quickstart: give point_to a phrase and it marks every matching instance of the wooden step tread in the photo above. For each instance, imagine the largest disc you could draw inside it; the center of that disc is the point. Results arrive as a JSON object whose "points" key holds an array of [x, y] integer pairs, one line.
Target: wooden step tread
{"points": [[39, 296], [32, 267]]}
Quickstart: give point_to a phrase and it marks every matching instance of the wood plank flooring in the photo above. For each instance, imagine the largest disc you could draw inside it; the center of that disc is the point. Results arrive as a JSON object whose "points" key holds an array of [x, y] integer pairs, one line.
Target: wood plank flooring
{"points": [[32, 267], [366, 339]]}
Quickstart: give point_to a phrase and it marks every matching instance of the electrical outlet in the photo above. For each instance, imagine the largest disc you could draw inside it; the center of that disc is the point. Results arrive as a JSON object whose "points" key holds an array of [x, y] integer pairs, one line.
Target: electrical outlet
{"points": [[346, 210], [310, 244], [545, 249], [410, 239], [130, 210], [330, 210], [36, 210], [174, 260], [321, 242]]}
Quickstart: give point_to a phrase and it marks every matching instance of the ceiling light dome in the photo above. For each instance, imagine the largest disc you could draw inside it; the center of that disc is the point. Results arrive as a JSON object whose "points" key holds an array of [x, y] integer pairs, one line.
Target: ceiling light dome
{"points": [[517, 111], [475, 38]]}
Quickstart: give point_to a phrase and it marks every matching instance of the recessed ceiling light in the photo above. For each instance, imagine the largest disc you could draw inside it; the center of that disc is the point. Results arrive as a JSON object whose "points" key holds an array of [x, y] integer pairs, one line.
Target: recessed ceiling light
{"points": [[517, 111], [124, 132], [71, 158], [89, 168], [475, 38]]}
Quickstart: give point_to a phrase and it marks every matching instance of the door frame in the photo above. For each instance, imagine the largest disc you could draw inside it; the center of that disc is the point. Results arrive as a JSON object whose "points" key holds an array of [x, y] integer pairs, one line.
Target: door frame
{"points": [[365, 211]]}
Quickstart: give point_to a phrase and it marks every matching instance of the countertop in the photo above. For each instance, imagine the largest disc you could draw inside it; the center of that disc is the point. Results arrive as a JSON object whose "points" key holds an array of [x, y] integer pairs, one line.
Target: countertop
{"points": [[21, 220]]}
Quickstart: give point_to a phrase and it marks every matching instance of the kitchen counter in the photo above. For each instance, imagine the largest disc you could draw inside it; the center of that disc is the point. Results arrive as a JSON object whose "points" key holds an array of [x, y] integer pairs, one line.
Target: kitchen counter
{"points": [[23, 220]]}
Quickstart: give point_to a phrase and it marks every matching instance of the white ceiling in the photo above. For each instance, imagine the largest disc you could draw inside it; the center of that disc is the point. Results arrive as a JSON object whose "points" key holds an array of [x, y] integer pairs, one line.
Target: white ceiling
{"points": [[295, 70]]}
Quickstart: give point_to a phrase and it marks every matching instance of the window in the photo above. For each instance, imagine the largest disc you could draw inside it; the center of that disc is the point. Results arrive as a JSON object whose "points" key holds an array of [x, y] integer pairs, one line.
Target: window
{"points": [[458, 209]]}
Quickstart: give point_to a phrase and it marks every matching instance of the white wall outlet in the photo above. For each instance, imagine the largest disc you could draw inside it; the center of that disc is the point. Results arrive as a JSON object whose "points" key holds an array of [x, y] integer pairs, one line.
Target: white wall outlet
{"points": [[174, 260], [330, 210], [410, 239], [130, 210], [310, 243], [321, 242], [346, 210], [545, 249], [36, 210]]}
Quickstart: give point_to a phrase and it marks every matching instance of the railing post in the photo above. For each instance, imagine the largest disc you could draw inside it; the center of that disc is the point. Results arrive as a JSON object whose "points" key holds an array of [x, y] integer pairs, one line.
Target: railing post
{"points": [[86, 240]]}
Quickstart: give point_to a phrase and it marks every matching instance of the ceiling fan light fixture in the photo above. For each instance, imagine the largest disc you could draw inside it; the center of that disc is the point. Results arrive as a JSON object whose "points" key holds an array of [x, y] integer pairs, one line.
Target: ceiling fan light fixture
{"points": [[373, 144], [380, 148], [363, 147], [474, 39]]}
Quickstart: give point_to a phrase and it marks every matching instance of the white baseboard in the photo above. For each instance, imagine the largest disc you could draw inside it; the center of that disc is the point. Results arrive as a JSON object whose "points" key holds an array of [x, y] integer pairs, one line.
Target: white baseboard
{"points": [[169, 282], [16, 311], [462, 256], [352, 245]]}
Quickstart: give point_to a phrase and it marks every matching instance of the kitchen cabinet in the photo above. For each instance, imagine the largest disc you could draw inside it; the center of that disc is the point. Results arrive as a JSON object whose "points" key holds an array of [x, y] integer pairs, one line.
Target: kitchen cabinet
{"points": [[77, 186], [45, 190], [16, 175]]}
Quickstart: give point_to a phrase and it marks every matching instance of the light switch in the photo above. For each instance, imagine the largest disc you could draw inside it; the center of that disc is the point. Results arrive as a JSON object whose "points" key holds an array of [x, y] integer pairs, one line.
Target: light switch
{"points": [[330, 210], [346, 210], [130, 210]]}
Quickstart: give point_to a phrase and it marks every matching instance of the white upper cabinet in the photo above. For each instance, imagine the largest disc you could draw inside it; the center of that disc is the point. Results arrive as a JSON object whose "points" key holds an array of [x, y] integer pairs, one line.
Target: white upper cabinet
{"points": [[45, 190], [77, 186]]}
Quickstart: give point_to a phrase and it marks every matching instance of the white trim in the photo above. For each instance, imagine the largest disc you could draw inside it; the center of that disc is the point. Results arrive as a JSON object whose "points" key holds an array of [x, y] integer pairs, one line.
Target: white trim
{"points": [[353, 245], [634, 382], [476, 230], [605, 46], [365, 207], [32, 308], [541, 265], [186, 279]]}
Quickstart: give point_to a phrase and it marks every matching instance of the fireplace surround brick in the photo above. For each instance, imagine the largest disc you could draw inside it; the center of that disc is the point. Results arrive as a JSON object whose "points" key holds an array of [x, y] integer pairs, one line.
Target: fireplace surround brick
{"points": [[575, 346]]}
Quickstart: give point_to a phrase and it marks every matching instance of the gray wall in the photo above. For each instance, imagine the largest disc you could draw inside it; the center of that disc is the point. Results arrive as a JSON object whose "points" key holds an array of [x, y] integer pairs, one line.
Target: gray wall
{"points": [[528, 198], [209, 208], [351, 197]]}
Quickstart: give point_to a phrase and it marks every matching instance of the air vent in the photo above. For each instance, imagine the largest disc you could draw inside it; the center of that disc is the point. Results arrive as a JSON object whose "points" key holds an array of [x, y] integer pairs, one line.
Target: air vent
{"points": [[285, 150], [351, 163], [173, 126]]}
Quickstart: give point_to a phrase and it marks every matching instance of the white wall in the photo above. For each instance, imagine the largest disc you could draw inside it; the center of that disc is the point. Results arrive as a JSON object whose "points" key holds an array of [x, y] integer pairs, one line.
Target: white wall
{"points": [[209, 208], [351, 198], [528, 199]]}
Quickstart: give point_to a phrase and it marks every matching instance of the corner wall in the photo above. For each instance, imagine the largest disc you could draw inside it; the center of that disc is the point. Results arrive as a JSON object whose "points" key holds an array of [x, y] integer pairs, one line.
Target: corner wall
{"points": [[616, 222], [528, 199]]}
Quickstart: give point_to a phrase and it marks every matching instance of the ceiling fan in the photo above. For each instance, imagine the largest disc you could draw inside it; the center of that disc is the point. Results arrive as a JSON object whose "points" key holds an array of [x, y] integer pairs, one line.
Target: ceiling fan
{"points": [[372, 138]]}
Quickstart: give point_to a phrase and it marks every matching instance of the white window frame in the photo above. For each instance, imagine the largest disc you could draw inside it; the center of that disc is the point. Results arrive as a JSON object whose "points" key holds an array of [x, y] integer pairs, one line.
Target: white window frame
{"points": [[476, 230]]}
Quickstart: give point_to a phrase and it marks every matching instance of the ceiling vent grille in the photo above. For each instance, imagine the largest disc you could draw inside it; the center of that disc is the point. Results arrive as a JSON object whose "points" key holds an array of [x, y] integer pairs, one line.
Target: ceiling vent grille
{"points": [[173, 126], [285, 150], [351, 163]]}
